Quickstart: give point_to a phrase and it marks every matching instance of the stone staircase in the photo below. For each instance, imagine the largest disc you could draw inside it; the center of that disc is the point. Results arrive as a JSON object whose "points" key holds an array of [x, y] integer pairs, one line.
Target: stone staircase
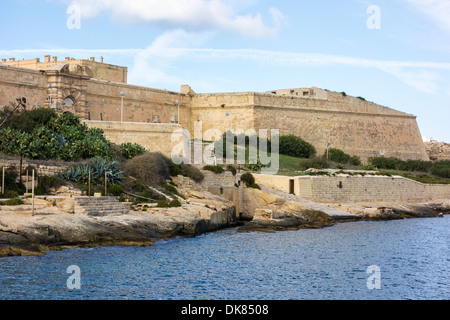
{"points": [[99, 206]]}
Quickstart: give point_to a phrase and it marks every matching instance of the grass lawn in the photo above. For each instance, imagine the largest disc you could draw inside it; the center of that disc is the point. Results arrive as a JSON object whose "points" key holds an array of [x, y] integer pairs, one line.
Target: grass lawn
{"points": [[292, 166]]}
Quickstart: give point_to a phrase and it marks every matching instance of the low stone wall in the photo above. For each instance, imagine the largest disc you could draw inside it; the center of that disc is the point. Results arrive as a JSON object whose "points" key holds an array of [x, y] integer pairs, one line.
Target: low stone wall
{"points": [[42, 168], [346, 188], [222, 184]]}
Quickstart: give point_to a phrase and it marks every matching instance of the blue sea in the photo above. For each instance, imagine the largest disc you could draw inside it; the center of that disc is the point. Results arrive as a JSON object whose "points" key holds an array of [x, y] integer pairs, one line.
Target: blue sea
{"points": [[411, 256]]}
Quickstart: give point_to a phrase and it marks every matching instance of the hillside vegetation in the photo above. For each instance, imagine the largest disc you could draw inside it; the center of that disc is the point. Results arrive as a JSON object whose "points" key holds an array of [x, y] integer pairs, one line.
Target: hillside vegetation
{"points": [[128, 171]]}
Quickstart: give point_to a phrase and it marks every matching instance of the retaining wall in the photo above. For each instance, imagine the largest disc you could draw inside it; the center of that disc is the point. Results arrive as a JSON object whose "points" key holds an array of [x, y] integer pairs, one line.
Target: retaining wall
{"points": [[346, 188]]}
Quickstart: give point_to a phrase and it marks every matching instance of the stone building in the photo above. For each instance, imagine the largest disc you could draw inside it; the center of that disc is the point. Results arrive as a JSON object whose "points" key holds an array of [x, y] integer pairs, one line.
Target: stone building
{"points": [[100, 95]]}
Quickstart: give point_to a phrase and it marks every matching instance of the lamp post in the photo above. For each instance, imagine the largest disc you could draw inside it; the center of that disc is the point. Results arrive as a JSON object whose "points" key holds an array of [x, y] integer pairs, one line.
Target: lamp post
{"points": [[50, 86], [178, 105], [227, 114], [328, 145], [122, 94]]}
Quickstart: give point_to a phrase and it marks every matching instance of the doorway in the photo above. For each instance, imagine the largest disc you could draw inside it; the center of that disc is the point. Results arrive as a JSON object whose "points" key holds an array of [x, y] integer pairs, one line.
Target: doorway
{"points": [[292, 186]]}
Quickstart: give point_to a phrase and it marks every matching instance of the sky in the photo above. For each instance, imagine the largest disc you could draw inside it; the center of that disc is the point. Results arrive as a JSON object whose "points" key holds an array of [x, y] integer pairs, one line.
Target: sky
{"points": [[392, 52]]}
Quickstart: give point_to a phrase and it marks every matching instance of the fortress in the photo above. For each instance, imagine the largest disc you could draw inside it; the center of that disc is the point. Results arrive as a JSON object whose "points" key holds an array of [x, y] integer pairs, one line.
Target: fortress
{"points": [[100, 94]]}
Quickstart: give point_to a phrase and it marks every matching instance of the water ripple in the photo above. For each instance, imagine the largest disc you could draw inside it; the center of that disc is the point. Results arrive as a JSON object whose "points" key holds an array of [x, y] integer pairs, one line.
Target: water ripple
{"points": [[331, 263]]}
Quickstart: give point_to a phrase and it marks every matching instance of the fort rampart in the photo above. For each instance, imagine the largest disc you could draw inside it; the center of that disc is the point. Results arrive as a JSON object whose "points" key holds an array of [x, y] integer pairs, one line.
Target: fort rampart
{"points": [[99, 92]]}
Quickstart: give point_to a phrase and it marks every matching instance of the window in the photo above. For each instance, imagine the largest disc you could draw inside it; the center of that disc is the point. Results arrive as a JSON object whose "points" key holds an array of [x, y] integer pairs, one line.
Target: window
{"points": [[69, 102]]}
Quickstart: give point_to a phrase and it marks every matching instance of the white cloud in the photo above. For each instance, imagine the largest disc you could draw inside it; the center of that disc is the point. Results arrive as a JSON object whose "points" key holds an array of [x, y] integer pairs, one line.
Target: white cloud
{"points": [[437, 10], [189, 14], [152, 64], [422, 80]]}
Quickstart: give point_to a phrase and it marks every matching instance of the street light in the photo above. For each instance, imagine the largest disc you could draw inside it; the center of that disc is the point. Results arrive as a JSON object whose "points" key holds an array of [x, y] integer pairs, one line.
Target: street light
{"points": [[328, 146], [121, 110], [178, 104], [50, 86]]}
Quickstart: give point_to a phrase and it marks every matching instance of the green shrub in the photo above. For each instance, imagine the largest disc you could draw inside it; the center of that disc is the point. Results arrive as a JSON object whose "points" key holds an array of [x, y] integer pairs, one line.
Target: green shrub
{"points": [[441, 169], [170, 188], [415, 165], [393, 163], [11, 194], [341, 157], [175, 203], [385, 163], [337, 155], [315, 162], [115, 190], [14, 202], [61, 137], [47, 183], [248, 179], [162, 204], [215, 169], [192, 172], [294, 146], [174, 169], [186, 170], [27, 120], [369, 167], [131, 150], [232, 169], [255, 186], [355, 160], [11, 174]]}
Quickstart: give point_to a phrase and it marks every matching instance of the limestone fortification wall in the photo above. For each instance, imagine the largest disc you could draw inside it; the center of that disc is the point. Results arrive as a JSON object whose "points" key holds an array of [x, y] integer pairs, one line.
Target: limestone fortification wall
{"points": [[354, 125], [100, 70], [141, 104], [356, 133], [346, 188], [155, 137], [212, 110], [16, 82]]}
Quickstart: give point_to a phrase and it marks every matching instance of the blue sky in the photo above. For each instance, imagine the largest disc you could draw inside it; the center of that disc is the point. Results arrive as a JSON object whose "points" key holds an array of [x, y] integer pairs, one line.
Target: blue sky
{"points": [[254, 45]]}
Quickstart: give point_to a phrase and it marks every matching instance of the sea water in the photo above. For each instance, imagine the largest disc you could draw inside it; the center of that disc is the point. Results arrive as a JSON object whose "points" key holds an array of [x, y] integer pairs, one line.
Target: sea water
{"points": [[411, 258]]}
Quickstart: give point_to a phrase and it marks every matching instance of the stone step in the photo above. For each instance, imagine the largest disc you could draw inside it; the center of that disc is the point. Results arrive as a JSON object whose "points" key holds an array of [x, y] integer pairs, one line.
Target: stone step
{"points": [[99, 206]]}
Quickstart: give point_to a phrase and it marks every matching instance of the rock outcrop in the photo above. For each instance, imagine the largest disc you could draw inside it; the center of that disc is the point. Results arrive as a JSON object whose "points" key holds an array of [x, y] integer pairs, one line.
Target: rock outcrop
{"points": [[56, 225]]}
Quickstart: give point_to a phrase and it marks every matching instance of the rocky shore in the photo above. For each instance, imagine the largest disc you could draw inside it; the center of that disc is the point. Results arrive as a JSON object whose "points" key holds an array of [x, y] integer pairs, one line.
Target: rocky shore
{"points": [[269, 209], [56, 226]]}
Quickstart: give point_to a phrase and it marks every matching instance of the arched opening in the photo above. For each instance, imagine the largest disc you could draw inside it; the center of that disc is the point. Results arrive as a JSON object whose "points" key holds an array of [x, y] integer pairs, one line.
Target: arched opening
{"points": [[69, 102]]}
